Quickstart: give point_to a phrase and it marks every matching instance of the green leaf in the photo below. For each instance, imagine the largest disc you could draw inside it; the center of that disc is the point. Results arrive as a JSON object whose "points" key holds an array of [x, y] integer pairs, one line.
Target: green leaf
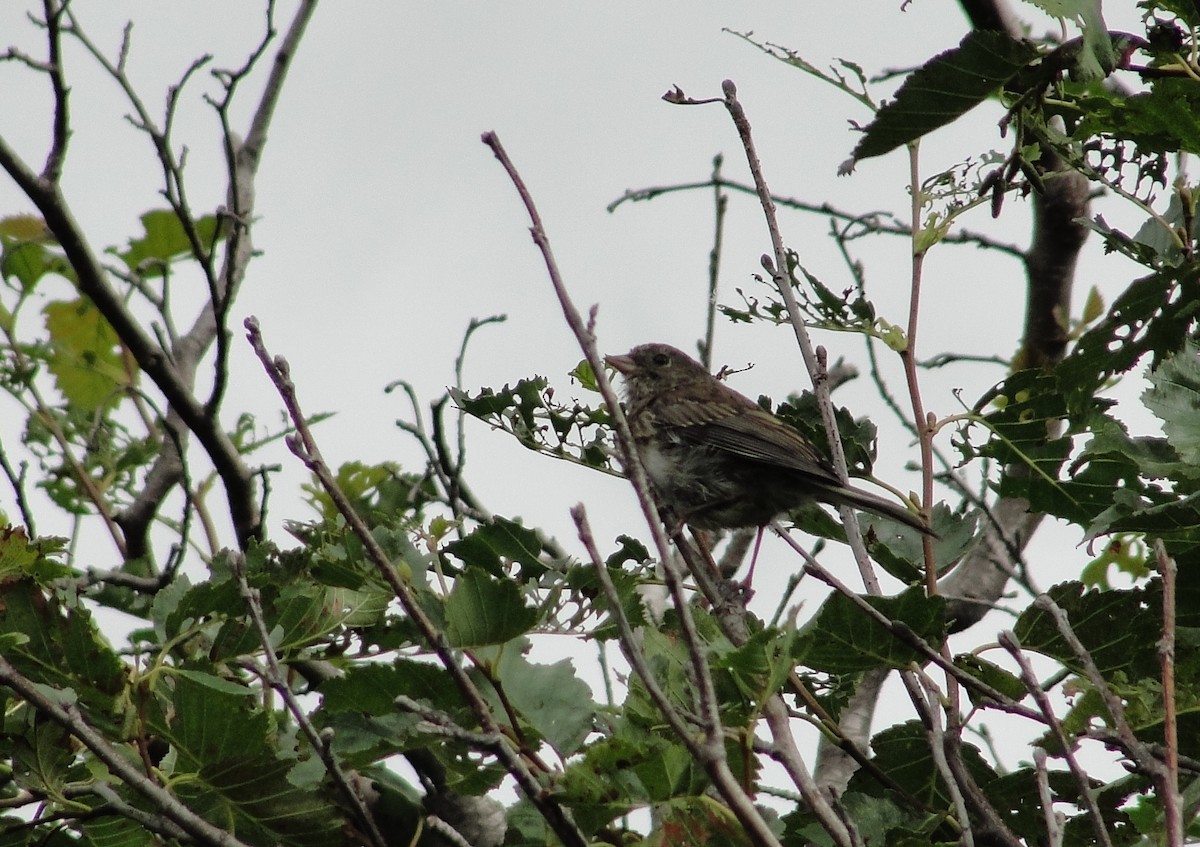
{"points": [[1096, 58], [367, 724], [61, 648], [105, 830], [1174, 398], [902, 752], [490, 545], [992, 674], [945, 88], [166, 240], [552, 699], [842, 638], [1161, 120], [43, 760], [216, 683], [225, 764], [485, 610], [583, 373], [20, 557], [86, 360], [29, 261], [858, 434], [1120, 629]]}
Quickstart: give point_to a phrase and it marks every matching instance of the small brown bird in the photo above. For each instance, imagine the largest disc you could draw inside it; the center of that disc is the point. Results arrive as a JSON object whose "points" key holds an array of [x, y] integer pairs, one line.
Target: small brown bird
{"points": [[716, 458]]}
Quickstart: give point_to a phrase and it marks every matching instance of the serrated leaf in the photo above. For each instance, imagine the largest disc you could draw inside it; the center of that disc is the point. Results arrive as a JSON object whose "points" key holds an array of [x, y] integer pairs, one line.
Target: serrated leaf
{"points": [[992, 674], [903, 753], [944, 88], [23, 228], [165, 240], [86, 360], [491, 545], [29, 261], [226, 766], [1120, 629], [551, 698], [216, 683], [586, 377], [20, 556], [1174, 398], [1161, 120], [60, 647], [842, 638], [482, 610], [1096, 59], [42, 760]]}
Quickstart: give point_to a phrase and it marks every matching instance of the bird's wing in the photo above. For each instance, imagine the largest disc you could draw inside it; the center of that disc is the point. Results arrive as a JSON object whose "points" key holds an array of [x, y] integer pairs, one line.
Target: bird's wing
{"points": [[760, 436]]}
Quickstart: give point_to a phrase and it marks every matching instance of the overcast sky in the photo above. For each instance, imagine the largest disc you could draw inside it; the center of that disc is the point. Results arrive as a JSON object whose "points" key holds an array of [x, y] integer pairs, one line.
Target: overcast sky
{"points": [[386, 226]]}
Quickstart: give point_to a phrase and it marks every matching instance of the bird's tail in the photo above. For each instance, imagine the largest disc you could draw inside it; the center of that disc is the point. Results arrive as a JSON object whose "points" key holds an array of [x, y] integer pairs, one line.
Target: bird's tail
{"points": [[877, 505]]}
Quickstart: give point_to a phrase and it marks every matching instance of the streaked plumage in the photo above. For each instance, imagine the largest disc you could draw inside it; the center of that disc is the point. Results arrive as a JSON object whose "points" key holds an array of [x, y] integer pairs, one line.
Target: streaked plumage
{"points": [[718, 460]]}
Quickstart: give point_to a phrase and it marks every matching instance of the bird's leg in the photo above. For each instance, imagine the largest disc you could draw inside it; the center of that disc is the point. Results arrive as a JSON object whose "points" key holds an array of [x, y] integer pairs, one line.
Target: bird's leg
{"points": [[753, 559]]}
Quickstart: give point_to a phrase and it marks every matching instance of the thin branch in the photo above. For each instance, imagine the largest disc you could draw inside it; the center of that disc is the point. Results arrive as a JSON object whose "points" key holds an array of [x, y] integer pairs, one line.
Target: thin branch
{"points": [[923, 424], [303, 445], [61, 133], [50, 419], [905, 634], [276, 679], [17, 481], [93, 283], [784, 751], [871, 222], [1054, 829], [1137, 751], [149, 821], [720, 204], [780, 275], [442, 724], [1171, 799], [937, 749], [713, 762], [1008, 640]]}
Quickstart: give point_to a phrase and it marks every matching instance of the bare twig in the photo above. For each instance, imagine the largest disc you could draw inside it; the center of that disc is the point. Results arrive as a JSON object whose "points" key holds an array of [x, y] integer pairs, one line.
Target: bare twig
{"points": [[1137, 751], [937, 749], [922, 423], [305, 448], [442, 724], [710, 753], [780, 275], [784, 751], [16, 479], [1054, 829], [720, 204], [905, 634], [1008, 640], [149, 821], [1171, 799], [870, 222], [61, 133]]}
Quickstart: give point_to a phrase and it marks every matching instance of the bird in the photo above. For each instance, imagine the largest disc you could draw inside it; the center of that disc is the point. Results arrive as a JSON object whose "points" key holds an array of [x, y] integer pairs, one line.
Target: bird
{"points": [[718, 460]]}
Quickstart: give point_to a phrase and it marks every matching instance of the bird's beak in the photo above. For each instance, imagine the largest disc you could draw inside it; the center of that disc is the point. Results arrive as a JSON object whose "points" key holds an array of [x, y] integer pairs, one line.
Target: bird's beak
{"points": [[624, 365]]}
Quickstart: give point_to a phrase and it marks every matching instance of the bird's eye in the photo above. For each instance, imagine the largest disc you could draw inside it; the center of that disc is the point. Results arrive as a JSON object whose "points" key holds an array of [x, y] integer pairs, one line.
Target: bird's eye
{"points": [[661, 359]]}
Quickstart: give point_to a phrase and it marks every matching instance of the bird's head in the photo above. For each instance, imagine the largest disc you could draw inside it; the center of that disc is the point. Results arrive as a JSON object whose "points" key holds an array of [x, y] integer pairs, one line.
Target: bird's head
{"points": [[651, 368]]}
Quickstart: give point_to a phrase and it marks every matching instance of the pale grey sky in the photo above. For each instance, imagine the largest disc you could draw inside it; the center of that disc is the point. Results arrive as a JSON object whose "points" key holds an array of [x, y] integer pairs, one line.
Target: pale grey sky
{"points": [[386, 225]]}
